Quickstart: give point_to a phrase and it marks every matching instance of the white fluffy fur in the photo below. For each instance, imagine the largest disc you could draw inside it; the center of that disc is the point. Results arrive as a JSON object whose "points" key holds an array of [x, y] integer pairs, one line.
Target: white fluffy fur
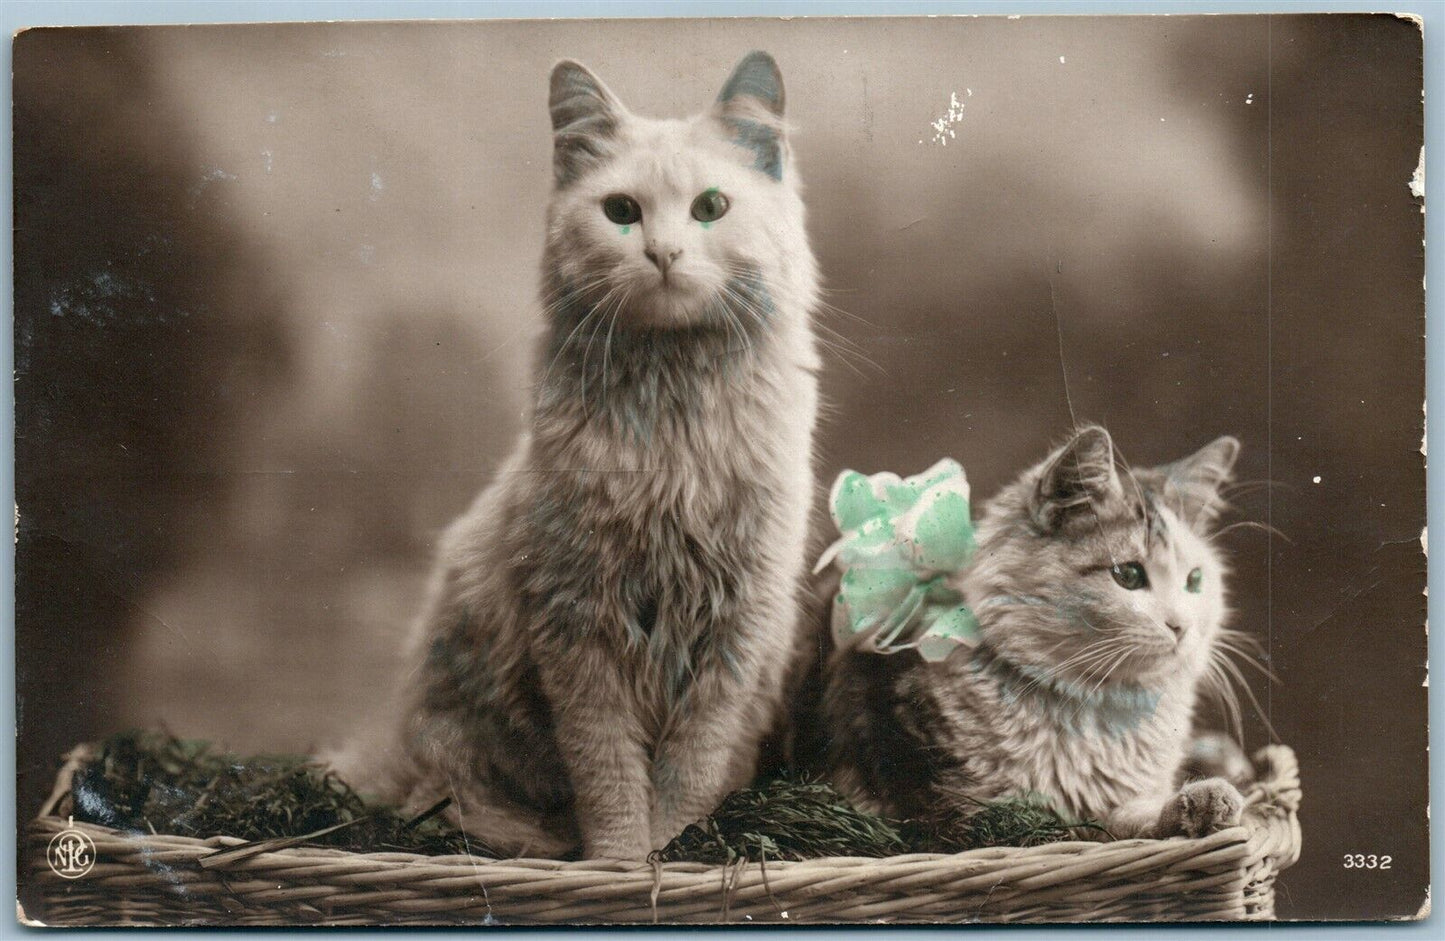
{"points": [[604, 647]]}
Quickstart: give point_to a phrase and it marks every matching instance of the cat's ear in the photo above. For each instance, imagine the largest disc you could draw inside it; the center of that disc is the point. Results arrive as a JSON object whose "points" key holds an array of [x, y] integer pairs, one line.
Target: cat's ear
{"points": [[585, 120], [1192, 485], [1077, 476], [750, 107], [755, 81]]}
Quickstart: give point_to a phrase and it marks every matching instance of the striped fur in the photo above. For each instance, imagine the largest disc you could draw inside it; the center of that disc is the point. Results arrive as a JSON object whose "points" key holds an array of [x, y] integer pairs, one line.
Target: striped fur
{"points": [[1081, 690]]}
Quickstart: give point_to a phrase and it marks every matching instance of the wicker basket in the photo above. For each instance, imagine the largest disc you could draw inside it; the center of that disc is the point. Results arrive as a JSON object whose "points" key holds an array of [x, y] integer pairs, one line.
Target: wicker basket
{"points": [[139, 879]]}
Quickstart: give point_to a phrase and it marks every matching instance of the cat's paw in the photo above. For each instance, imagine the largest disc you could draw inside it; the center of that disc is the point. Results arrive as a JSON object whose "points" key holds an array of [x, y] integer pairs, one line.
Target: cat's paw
{"points": [[1203, 807]]}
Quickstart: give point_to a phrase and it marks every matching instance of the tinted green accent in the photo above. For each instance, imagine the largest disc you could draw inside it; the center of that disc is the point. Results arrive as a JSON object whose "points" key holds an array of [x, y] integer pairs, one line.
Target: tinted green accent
{"points": [[855, 503], [955, 623], [941, 594], [944, 533], [902, 495], [948, 629], [949, 470], [624, 229], [1194, 582], [871, 595], [873, 535], [901, 542]]}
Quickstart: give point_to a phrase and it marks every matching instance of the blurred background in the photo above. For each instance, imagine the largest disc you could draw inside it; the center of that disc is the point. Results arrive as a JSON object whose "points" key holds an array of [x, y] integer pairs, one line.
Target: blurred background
{"points": [[275, 309]]}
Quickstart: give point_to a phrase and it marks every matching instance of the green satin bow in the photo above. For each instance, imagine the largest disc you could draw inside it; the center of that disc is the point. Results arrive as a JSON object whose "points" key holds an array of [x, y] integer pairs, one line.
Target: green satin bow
{"points": [[902, 540]]}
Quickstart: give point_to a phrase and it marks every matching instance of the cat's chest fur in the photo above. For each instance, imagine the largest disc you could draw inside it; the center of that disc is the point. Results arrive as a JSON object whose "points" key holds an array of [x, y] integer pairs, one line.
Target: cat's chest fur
{"points": [[1091, 751], [680, 480], [682, 427]]}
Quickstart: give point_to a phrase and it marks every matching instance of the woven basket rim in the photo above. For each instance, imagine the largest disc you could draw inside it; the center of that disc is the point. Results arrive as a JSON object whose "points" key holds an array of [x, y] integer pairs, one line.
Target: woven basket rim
{"points": [[1226, 837], [1277, 784], [142, 878]]}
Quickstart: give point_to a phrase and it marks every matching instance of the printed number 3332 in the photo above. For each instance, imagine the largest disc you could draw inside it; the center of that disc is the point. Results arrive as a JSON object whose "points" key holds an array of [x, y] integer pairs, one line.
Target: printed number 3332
{"points": [[1361, 861]]}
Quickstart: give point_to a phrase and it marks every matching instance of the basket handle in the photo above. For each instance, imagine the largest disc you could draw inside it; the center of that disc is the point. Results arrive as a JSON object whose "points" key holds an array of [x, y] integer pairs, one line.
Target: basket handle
{"points": [[1272, 806], [1278, 778]]}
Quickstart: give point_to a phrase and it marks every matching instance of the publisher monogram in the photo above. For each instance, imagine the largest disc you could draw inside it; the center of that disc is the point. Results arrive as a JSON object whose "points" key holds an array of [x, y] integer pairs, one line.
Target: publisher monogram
{"points": [[71, 854]]}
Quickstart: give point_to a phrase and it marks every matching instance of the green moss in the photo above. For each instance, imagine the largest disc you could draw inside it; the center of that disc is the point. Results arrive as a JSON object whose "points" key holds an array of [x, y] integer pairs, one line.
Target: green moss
{"points": [[1023, 821], [148, 782], [784, 819]]}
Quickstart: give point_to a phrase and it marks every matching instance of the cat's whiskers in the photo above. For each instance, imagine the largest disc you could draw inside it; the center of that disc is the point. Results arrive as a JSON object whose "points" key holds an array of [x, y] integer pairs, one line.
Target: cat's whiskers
{"points": [[839, 310], [748, 306], [1090, 694], [1071, 688], [556, 307], [555, 294], [849, 353], [1218, 687], [1102, 669], [846, 350], [1246, 487], [1228, 679], [747, 303], [733, 322], [617, 294], [1245, 646], [549, 301], [731, 317], [563, 347], [1240, 682], [745, 300], [607, 340], [1095, 652], [1096, 648], [1076, 692], [729, 321], [1252, 524]]}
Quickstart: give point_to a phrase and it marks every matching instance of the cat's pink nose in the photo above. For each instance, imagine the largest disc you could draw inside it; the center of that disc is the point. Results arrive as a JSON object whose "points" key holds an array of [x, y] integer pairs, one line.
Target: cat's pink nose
{"points": [[662, 257]]}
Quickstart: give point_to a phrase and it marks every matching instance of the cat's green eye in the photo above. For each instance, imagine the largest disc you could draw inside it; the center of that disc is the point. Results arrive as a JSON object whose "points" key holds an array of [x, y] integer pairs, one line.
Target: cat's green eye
{"points": [[622, 209], [1193, 582], [1130, 575], [710, 206]]}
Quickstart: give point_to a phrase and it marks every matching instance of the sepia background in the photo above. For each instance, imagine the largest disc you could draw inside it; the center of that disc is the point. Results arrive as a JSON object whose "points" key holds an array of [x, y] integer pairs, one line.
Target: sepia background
{"points": [[275, 305]]}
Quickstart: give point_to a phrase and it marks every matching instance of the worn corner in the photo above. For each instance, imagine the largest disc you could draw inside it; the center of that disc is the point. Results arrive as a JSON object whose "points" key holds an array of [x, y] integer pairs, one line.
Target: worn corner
{"points": [[1419, 22], [25, 919]]}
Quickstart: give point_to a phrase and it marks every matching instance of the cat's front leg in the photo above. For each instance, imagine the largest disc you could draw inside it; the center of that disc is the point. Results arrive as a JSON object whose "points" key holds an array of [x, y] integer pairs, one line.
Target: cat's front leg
{"points": [[710, 748], [601, 743]]}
